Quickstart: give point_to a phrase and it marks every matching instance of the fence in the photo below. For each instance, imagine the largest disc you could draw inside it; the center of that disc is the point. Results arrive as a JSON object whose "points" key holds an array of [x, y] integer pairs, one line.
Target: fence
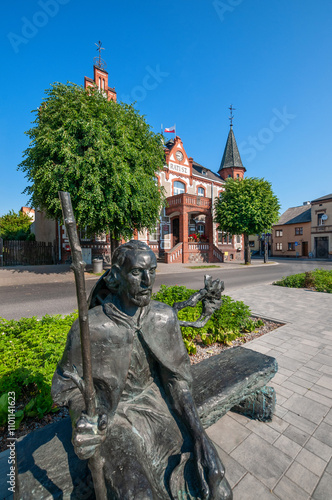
{"points": [[25, 253]]}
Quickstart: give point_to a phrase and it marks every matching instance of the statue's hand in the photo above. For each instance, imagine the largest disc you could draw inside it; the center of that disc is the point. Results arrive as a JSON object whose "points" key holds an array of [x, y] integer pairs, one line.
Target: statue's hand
{"points": [[88, 434], [212, 295], [209, 467]]}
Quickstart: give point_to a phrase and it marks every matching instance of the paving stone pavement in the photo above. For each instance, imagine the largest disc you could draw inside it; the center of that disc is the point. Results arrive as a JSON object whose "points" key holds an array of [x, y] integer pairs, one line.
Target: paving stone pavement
{"points": [[290, 457]]}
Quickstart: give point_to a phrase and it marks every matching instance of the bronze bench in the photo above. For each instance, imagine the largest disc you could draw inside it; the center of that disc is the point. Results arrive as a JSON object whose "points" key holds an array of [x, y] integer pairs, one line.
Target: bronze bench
{"points": [[235, 380]]}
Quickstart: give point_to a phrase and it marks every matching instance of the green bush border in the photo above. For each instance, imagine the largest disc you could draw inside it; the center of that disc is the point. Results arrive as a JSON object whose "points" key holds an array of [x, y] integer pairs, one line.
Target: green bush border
{"points": [[319, 280]]}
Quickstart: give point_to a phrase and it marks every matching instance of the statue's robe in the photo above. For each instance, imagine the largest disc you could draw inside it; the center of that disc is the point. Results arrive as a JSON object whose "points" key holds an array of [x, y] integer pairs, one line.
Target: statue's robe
{"points": [[133, 364]]}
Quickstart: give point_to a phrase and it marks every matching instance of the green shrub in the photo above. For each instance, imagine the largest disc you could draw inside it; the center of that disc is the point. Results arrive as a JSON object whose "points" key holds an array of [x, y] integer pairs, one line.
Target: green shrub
{"points": [[293, 281], [30, 350], [319, 279], [322, 280], [225, 325]]}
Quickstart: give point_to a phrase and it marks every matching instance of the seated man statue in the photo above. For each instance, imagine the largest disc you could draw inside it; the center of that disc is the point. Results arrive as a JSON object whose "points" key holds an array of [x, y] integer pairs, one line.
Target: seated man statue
{"points": [[152, 445]]}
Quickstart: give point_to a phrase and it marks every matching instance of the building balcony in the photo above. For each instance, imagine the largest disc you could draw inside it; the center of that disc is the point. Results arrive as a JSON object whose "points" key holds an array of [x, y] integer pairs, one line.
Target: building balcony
{"points": [[188, 200], [323, 228]]}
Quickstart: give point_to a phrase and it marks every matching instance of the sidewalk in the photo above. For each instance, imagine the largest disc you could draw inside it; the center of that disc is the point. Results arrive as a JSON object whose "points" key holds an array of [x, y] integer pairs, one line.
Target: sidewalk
{"points": [[289, 458]]}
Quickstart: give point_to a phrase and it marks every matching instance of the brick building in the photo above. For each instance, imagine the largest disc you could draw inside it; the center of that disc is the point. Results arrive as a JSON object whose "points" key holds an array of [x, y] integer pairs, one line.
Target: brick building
{"points": [[291, 236], [185, 231]]}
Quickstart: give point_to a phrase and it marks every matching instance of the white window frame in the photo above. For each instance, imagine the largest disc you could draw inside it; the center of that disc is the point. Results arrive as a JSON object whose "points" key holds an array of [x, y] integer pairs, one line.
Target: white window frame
{"points": [[177, 189]]}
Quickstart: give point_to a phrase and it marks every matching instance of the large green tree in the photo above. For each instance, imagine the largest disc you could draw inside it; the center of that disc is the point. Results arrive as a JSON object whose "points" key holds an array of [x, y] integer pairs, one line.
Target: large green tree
{"points": [[247, 206], [103, 153], [15, 226]]}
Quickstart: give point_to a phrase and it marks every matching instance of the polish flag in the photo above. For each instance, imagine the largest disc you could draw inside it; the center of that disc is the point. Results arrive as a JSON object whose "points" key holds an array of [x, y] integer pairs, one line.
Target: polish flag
{"points": [[170, 130]]}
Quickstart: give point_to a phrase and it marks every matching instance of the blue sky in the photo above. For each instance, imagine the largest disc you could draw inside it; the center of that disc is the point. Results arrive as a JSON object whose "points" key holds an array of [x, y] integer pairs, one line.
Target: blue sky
{"points": [[271, 60]]}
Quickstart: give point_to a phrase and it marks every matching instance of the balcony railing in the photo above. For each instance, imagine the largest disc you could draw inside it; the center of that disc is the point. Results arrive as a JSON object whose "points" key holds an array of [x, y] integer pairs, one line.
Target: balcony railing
{"points": [[189, 199], [323, 228]]}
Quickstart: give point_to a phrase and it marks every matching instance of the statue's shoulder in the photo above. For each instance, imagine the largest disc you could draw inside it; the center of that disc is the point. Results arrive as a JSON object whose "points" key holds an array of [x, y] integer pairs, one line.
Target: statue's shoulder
{"points": [[162, 312], [97, 319]]}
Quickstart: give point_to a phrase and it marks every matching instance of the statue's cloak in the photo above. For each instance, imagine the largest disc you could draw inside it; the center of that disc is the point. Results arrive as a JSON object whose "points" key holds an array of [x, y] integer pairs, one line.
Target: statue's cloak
{"points": [[132, 366], [111, 333]]}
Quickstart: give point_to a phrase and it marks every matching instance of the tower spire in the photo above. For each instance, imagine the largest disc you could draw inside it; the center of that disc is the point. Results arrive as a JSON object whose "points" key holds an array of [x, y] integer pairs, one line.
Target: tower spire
{"points": [[231, 163]]}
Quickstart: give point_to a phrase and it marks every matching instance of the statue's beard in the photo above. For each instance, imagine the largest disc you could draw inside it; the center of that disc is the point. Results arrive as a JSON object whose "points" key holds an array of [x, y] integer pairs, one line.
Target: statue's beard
{"points": [[140, 300]]}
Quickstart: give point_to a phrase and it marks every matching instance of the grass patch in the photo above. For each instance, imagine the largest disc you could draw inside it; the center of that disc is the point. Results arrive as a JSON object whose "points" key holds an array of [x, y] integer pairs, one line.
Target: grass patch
{"points": [[202, 267], [319, 280]]}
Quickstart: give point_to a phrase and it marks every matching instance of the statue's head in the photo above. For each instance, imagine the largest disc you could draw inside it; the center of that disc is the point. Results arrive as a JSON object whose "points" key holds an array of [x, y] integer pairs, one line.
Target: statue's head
{"points": [[133, 273]]}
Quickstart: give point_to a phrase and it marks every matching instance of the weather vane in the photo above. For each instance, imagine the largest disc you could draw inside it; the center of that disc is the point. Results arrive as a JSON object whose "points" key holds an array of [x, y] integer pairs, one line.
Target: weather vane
{"points": [[98, 60], [231, 115]]}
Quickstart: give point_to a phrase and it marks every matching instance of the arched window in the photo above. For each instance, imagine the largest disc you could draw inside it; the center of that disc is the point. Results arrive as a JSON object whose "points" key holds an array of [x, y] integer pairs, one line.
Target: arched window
{"points": [[200, 191], [179, 187]]}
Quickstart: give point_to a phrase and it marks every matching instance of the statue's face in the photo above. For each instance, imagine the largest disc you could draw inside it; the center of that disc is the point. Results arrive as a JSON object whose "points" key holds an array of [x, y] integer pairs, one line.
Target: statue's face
{"points": [[138, 274]]}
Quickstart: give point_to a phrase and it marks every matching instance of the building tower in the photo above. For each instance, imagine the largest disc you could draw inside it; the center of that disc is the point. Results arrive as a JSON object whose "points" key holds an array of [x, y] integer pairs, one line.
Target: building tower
{"points": [[100, 77], [231, 163]]}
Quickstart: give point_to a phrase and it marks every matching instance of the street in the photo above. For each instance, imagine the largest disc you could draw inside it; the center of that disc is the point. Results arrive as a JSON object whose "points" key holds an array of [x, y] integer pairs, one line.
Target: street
{"points": [[38, 299]]}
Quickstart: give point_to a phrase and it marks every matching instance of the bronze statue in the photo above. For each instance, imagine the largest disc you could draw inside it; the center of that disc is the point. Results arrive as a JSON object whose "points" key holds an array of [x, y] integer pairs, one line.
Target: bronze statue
{"points": [[148, 433]]}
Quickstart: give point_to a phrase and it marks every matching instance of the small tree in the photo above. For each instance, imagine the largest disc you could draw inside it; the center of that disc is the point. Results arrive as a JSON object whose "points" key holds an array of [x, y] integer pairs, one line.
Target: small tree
{"points": [[15, 226], [247, 206], [103, 153]]}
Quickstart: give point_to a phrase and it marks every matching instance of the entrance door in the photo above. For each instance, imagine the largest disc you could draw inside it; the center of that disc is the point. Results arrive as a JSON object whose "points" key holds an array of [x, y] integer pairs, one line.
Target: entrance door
{"points": [[305, 249], [322, 247], [87, 255], [176, 231]]}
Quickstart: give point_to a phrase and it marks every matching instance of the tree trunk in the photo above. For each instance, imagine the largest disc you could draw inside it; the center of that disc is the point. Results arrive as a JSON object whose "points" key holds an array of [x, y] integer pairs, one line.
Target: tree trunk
{"points": [[1, 252], [247, 256], [266, 249]]}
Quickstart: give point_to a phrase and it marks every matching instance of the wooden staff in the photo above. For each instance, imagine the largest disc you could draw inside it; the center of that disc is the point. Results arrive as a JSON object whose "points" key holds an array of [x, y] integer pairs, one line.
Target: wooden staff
{"points": [[86, 385]]}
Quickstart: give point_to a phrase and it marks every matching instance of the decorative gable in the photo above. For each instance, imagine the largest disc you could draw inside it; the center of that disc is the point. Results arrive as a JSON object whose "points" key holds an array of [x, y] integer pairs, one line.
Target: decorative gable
{"points": [[177, 159]]}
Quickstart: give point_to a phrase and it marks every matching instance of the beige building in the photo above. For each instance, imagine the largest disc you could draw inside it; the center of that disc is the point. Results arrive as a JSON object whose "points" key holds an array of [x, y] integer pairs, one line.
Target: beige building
{"points": [[321, 227], [291, 236]]}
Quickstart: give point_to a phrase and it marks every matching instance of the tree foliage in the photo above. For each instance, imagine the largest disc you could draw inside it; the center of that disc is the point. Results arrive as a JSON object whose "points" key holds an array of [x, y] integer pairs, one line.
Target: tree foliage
{"points": [[247, 206], [103, 153], [15, 226]]}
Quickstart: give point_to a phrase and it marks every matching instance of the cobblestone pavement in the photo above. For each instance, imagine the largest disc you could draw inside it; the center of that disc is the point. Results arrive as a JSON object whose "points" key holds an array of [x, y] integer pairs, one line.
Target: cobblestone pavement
{"points": [[289, 458]]}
